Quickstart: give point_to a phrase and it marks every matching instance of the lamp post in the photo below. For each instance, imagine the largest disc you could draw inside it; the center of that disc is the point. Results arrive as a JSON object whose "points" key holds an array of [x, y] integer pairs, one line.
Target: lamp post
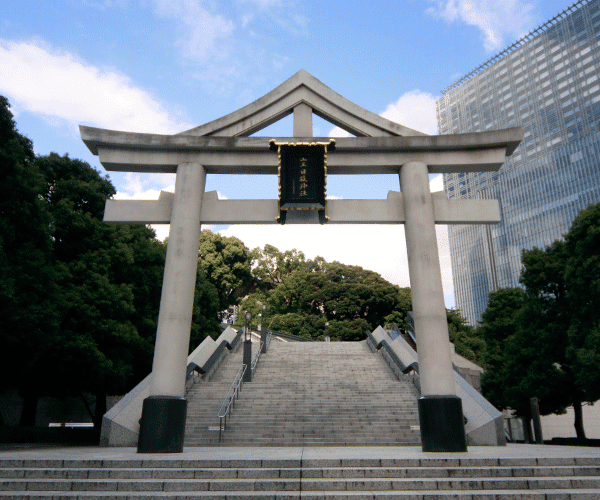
{"points": [[263, 330], [247, 348], [326, 339]]}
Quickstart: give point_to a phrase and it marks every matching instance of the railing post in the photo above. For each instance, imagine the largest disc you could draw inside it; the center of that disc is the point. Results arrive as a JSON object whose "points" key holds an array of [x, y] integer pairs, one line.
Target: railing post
{"points": [[263, 338], [248, 360]]}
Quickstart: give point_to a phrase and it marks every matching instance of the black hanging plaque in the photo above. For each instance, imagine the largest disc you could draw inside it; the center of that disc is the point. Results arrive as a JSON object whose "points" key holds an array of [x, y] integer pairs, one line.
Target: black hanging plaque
{"points": [[302, 173]]}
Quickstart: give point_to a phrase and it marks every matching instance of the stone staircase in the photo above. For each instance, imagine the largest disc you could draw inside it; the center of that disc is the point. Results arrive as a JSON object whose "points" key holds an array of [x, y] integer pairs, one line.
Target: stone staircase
{"points": [[205, 399], [310, 394], [220, 479]]}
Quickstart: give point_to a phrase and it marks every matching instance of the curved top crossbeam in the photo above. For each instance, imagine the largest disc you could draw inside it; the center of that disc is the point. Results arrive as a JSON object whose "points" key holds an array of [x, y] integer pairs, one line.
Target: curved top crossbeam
{"points": [[302, 88]]}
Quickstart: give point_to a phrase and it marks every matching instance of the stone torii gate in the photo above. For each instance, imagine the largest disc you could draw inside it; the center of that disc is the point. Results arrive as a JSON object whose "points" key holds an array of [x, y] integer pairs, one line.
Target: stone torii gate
{"points": [[223, 146]]}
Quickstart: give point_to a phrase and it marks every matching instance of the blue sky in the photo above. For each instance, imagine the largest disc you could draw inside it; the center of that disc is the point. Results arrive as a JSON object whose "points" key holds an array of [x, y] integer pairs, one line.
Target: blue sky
{"points": [[163, 66]]}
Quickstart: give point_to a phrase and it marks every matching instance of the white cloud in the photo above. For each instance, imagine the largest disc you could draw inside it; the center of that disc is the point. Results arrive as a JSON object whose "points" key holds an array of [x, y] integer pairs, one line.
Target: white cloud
{"points": [[338, 132], [105, 4], [60, 86], [437, 183], [263, 4], [497, 20], [202, 33], [414, 109]]}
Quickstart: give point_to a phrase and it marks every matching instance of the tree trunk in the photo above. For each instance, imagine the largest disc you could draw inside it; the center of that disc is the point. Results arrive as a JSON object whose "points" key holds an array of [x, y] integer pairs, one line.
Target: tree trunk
{"points": [[100, 409], [29, 412], [579, 430]]}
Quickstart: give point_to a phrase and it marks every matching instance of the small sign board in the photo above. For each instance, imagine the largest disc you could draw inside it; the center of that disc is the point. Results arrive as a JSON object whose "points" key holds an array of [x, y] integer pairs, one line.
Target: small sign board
{"points": [[302, 173]]}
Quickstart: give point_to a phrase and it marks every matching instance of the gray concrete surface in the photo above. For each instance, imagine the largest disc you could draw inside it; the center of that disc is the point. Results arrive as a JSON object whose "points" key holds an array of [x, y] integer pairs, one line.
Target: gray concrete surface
{"points": [[177, 298], [128, 151], [431, 327]]}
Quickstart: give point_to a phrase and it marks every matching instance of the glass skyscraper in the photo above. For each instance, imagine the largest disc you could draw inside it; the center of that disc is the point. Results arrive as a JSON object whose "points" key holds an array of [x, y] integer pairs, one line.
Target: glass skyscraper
{"points": [[548, 83]]}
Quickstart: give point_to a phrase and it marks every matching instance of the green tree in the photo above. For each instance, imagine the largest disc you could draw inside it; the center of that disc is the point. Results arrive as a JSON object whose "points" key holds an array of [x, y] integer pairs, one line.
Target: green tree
{"points": [[303, 325], [499, 325], [270, 265], [226, 263], [466, 339], [582, 277], [205, 316], [541, 341], [27, 288], [345, 292], [348, 330], [108, 280], [349, 298], [400, 312]]}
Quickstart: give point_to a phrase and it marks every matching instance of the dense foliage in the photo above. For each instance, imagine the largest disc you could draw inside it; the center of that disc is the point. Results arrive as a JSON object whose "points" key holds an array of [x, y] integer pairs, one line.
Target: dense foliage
{"points": [[26, 272], [467, 340], [79, 298], [543, 340], [314, 298]]}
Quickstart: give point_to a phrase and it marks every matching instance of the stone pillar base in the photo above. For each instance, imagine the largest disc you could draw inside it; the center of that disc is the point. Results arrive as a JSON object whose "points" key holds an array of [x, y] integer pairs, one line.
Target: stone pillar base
{"points": [[442, 424], [162, 426]]}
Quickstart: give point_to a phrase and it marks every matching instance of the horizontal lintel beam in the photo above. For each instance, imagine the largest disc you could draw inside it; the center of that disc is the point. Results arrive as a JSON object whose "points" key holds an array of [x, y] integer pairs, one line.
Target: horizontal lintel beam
{"points": [[265, 162], [389, 211], [94, 138]]}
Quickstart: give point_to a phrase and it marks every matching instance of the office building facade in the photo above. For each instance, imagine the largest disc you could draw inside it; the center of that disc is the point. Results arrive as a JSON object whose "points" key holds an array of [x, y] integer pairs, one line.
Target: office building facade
{"points": [[547, 82]]}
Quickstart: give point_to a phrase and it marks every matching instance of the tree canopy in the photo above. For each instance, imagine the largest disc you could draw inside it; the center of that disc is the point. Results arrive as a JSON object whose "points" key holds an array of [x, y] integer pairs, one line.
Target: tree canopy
{"points": [[467, 340], [543, 340], [79, 298], [582, 280], [226, 263], [27, 287], [303, 295]]}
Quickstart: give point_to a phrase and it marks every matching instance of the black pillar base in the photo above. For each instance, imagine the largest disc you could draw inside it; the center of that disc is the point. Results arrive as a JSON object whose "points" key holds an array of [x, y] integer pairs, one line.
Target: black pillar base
{"points": [[442, 424], [162, 426]]}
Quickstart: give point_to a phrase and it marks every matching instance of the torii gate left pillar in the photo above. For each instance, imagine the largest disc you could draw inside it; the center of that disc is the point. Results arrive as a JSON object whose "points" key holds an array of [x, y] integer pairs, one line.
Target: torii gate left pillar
{"points": [[166, 403]]}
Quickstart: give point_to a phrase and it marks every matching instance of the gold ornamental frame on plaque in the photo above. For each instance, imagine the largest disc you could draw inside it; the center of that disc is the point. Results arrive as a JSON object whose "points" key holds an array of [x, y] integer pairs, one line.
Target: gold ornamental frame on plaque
{"points": [[302, 176]]}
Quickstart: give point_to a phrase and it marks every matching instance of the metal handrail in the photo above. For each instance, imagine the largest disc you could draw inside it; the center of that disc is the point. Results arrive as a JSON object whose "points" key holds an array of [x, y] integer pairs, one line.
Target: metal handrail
{"points": [[255, 360], [236, 387]]}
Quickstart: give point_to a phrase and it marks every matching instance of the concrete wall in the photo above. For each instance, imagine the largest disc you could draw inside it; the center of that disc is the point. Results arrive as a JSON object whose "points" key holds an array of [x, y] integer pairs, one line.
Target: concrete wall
{"points": [[467, 369]]}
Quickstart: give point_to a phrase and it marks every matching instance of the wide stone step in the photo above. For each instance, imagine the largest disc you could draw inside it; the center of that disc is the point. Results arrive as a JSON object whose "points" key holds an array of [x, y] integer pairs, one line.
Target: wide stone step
{"points": [[315, 495], [304, 484]]}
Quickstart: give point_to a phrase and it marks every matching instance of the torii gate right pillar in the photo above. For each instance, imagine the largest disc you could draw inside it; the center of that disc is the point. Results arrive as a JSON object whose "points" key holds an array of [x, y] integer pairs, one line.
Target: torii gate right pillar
{"points": [[440, 409]]}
